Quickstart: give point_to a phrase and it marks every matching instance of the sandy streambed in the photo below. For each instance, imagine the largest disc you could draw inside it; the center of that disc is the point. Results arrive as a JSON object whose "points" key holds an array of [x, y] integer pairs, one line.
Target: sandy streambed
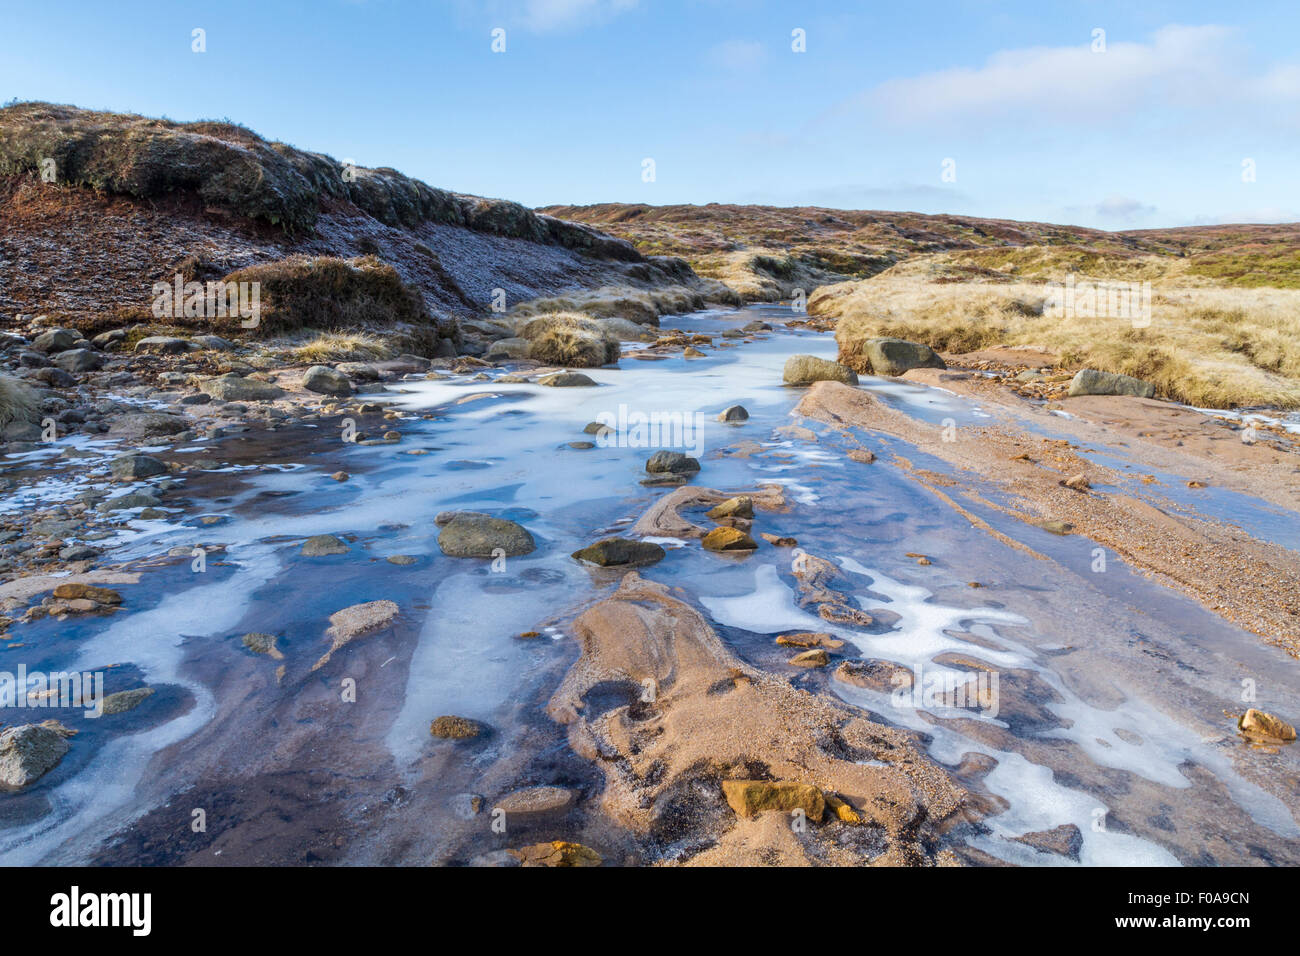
{"points": [[1106, 740]]}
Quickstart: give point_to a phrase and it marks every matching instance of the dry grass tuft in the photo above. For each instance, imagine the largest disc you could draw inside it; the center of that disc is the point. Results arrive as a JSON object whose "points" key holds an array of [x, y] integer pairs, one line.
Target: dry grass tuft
{"points": [[1205, 345], [325, 347], [570, 339]]}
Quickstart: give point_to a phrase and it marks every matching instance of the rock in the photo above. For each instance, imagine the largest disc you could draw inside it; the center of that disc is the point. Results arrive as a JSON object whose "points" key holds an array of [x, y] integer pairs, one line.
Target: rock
{"points": [[449, 727], [1090, 381], [326, 381], [884, 676], [71, 591], [504, 350], [536, 802], [78, 360], [742, 506], [1261, 724], [352, 622], [671, 462], [813, 658], [77, 552], [165, 345], [842, 810], [135, 467], [214, 342], [232, 388], [1065, 840], [582, 445], [806, 369], [566, 380], [1077, 482], [735, 413], [749, 797], [30, 751], [402, 560], [599, 429], [56, 340], [616, 552], [104, 339], [779, 541], [196, 398], [861, 455], [340, 476], [470, 535], [728, 539], [262, 644], [888, 356], [147, 425], [1056, 527], [557, 853], [54, 377], [125, 700], [321, 545], [692, 352], [809, 639], [137, 499]]}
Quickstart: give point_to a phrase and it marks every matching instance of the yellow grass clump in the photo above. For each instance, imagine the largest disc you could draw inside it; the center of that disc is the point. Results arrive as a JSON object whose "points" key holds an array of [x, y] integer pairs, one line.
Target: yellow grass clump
{"points": [[1204, 345], [324, 347], [570, 339]]}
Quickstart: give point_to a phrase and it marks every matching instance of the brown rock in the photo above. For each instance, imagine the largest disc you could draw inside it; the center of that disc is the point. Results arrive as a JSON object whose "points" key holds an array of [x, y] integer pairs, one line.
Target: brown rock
{"points": [[557, 853], [449, 727], [750, 797], [71, 591], [814, 658], [728, 539], [1258, 723]]}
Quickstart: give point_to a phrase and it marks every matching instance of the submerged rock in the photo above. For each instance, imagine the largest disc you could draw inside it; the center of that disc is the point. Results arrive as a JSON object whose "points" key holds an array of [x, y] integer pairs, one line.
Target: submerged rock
{"points": [[450, 727], [749, 797], [1065, 840], [812, 658], [125, 700], [354, 621], [262, 644], [557, 853], [537, 801], [30, 751], [890, 356], [614, 552], [471, 535], [1090, 381], [320, 545], [76, 591], [806, 369]]}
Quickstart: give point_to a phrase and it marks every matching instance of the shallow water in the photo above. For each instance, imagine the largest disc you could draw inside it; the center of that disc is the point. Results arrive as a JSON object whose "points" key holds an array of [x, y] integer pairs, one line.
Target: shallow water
{"points": [[1112, 693]]}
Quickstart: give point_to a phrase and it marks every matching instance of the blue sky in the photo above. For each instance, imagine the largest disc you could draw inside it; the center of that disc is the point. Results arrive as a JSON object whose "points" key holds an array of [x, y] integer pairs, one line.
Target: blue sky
{"points": [[1156, 130]]}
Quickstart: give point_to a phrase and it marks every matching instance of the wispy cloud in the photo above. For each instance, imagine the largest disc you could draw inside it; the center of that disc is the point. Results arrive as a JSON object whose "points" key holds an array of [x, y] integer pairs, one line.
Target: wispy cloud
{"points": [[1122, 209], [1181, 66]]}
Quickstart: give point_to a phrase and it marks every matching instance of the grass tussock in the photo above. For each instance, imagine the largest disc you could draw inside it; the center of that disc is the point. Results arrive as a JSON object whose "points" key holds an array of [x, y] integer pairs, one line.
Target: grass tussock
{"points": [[1207, 346], [323, 347], [18, 401], [570, 339], [643, 306], [322, 292]]}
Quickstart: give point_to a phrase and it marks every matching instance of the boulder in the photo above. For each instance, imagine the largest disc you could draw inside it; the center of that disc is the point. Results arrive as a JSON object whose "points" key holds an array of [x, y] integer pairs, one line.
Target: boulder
{"points": [[617, 552], [671, 462], [889, 356], [30, 751], [135, 467], [566, 380], [507, 350], [742, 506], [735, 413], [56, 340], [806, 369], [1090, 381], [233, 388], [78, 360], [470, 535], [125, 700], [147, 425], [166, 345], [1258, 723], [72, 591], [326, 381], [750, 797], [536, 802], [728, 539]]}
